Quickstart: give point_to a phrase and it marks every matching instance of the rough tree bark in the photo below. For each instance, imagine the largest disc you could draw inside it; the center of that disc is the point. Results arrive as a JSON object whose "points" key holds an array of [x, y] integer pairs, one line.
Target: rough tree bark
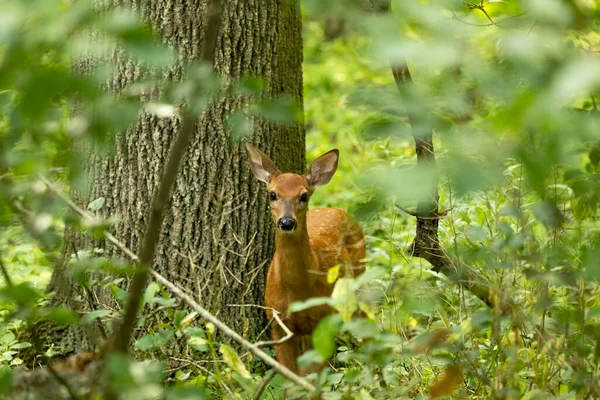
{"points": [[217, 237]]}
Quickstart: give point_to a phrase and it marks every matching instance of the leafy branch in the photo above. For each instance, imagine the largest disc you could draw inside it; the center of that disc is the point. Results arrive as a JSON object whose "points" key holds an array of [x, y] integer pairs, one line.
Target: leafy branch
{"points": [[153, 229]]}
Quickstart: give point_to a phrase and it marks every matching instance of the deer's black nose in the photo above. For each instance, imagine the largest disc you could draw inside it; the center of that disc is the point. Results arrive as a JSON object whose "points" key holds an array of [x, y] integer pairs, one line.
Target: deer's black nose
{"points": [[286, 224]]}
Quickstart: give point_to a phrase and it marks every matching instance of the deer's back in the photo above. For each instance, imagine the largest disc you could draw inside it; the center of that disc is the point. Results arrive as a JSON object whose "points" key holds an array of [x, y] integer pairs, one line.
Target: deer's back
{"points": [[336, 238]]}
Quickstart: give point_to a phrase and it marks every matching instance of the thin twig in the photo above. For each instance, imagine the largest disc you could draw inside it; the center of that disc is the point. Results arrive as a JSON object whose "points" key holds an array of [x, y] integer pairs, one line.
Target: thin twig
{"points": [[492, 23], [62, 381], [288, 334], [5, 273], [91, 299], [56, 375], [264, 384], [177, 291], [531, 29]]}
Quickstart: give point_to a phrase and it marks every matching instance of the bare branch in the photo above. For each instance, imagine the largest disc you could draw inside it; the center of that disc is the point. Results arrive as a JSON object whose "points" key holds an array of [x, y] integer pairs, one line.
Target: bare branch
{"points": [[91, 300], [288, 333], [161, 198], [531, 29], [227, 331]]}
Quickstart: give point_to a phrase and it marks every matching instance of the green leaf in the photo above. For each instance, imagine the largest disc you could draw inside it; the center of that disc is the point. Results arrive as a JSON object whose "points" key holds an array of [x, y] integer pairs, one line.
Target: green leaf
{"points": [[333, 274], [182, 376], [198, 343], [187, 393], [150, 292], [61, 316], [482, 319], [5, 380], [548, 214], [154, 340], [233, 361], [145, 343], [419, 304], [7, 338], [19, 346], [361, 328], [164, 301], [323, 337], [364, 395], [591, 264], [250, 84], [91, 316], [197, 340], [315, 301], [239, 126], [344, 297], [308, 358], [368, 276], [281, 110], [22, 294], [119, 370], [96, 204]]}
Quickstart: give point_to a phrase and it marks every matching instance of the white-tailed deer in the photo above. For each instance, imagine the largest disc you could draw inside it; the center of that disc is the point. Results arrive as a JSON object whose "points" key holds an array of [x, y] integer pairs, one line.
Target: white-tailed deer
{"points": [[307, 245]]}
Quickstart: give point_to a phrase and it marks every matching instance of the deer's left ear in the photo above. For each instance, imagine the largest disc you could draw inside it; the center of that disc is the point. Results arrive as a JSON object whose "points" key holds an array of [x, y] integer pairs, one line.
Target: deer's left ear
{"points": [[262, 167], [322, 169]]}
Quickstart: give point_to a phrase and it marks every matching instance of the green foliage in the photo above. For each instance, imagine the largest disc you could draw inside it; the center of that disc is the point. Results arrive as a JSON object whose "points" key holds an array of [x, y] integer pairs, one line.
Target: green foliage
{"points": [[510, 90], [515, 123]]}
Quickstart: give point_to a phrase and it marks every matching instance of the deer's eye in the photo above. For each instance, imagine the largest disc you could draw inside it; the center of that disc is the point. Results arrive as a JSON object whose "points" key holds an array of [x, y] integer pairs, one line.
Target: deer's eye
{"points": [[272, 196], [304, 197]]}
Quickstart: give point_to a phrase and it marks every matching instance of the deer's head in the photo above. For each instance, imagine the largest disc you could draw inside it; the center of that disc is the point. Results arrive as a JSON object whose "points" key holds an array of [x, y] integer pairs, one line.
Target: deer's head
{"points": [[289, 193]]}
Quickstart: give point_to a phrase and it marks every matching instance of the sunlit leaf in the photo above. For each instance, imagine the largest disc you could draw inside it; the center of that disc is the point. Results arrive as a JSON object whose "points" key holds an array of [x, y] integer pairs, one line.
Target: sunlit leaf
{"points": [[345, 298], [233, 361], [185, 322], [332, 274]]}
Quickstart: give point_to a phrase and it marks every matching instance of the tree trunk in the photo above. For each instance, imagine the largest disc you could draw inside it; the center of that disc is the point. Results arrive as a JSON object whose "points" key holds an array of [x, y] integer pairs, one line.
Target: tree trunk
{"points": [[217, 237]]}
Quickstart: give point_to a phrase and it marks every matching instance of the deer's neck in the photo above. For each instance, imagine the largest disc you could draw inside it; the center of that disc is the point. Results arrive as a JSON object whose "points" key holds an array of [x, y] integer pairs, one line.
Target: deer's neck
{"points": [[294, 258]]}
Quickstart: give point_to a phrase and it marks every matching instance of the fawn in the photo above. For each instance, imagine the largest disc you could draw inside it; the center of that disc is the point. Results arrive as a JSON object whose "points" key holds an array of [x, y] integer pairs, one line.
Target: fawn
{"points": [[307, 245]]}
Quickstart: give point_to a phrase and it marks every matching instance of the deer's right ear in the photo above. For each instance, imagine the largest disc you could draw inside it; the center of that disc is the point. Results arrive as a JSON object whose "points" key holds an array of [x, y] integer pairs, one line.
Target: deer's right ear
{"points": [[262, 167]]}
